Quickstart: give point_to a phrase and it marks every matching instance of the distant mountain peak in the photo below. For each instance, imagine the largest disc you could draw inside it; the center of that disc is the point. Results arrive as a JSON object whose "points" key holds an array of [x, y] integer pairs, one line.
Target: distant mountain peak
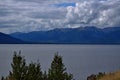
{"points": [[81, 35]]}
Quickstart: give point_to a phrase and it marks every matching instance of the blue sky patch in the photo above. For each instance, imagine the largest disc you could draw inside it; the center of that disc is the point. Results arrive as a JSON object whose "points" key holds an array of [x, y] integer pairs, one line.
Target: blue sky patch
{"points": [[66, 4]]}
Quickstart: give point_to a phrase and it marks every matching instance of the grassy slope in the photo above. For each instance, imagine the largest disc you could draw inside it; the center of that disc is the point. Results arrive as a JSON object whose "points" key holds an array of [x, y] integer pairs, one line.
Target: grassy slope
{"points": [[112, 76]]}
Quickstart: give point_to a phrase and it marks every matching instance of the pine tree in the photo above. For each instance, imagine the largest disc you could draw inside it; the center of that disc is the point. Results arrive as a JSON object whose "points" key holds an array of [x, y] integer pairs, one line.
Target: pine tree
{"points": [[34, 72], [58, 70], [19, 67], [20, 71], [45, 76]]}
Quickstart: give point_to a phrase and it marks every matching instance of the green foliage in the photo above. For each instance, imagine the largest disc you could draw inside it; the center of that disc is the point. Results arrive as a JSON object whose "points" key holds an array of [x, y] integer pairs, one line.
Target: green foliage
{"points": [[58, 70], [100, 75], [19, 67], [45, 76], [20, 71], [96, 77], [32, 71]]}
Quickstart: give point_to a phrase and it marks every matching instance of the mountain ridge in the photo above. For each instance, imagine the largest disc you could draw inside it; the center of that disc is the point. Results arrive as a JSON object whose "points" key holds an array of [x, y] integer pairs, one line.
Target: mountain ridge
{"points": [[81, 35], [7, 39]]}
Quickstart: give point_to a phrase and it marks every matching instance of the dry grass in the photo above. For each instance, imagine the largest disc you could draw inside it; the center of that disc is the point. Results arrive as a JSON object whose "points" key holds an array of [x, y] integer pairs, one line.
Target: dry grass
{"points": [[112, 76]]}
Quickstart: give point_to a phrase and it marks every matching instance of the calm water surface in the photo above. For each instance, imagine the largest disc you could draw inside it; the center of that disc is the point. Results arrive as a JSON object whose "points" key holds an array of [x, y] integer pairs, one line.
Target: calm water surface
{"points": [[80, 60]]}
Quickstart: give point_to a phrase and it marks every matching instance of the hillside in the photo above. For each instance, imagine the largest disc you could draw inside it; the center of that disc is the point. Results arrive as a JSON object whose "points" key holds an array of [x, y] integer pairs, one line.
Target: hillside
{"points": [[82, 35], [112, 76], [6, 39]]}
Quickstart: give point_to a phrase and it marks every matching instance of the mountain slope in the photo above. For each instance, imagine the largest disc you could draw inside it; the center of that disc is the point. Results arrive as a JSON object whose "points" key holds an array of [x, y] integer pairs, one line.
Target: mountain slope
{"points": [[82, 35], [6, 39]]}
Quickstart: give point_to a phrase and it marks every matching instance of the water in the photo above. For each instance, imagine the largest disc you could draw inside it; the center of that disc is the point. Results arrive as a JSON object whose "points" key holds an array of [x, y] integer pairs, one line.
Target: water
{"points": [[80, 60]]}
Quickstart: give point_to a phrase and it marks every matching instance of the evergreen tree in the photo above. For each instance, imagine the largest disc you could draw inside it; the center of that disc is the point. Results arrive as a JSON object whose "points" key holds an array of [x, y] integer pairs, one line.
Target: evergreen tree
{"points": [[20, 71], [19, 67], [34, 72], [58, 70], [45, 76]]}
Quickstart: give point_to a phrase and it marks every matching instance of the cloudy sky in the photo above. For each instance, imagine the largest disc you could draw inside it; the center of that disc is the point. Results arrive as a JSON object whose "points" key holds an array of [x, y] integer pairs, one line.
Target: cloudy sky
{"points": [[35, 15]]}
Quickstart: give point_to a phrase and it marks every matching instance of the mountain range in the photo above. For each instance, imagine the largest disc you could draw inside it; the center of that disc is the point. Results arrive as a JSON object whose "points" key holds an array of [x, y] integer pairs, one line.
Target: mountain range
{"points": [[7, 39], [81, 35]]}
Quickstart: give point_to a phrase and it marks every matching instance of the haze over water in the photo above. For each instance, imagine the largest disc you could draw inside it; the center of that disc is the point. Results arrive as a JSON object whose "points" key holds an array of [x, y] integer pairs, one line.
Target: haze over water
{"points": [[80, 60]]}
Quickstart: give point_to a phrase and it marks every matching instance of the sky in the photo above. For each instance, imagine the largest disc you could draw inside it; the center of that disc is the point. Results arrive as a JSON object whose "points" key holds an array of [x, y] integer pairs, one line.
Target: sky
{"points": [[37, 15]]}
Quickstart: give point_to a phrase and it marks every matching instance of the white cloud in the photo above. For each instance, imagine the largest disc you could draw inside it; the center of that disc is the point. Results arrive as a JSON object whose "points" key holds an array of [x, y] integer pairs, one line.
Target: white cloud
{"points": [[97, 13], [35, 15]]}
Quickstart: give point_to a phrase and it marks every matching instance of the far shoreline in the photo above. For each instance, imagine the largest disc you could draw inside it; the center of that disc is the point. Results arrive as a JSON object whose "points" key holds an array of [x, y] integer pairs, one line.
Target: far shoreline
{"points": [[64, 43]]}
